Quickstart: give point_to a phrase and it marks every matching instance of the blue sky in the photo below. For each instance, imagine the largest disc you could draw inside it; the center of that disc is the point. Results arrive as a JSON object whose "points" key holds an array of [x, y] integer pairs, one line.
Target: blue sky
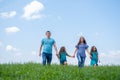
{"points": [[23, 24]]}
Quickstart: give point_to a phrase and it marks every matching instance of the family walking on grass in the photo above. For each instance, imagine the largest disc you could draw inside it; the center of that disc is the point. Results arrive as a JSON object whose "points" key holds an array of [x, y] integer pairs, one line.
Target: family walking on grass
{"points": [[80, 49]]}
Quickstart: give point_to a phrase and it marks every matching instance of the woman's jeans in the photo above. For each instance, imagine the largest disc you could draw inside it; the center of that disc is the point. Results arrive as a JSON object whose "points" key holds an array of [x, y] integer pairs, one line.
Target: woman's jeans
{"points": [[81, 60]]}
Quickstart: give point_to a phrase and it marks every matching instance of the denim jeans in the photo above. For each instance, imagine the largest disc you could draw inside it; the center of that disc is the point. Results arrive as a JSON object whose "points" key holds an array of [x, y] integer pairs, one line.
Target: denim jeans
{"points": [[47, 57], [81, 60]]}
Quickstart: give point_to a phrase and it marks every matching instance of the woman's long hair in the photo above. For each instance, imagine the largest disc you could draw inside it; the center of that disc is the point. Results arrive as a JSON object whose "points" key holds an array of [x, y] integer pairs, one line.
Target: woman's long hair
{"points": [[84, 41]]}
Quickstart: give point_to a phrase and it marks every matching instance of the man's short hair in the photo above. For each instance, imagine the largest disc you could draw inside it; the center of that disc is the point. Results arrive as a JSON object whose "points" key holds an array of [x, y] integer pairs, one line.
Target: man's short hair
{"points": [[48, 32]]}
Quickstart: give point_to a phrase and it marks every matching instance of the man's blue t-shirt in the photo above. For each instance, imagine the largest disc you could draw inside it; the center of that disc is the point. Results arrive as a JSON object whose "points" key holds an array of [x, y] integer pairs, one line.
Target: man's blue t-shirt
{"points": [[47, 44], [81, 49]]}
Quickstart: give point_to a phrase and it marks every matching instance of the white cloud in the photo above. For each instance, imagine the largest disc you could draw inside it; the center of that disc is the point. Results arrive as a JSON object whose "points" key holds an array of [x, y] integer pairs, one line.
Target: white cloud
{"points": [[34, 53], [32, 10], [18, 54], [10, 48], [12, 29], [97, 34], [8, 14], [1, 44], [110, 58], [80, 34]]}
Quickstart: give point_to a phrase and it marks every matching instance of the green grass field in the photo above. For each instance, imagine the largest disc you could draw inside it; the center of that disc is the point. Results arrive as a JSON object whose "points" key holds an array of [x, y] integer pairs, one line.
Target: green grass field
{"points": [[34, 71]]}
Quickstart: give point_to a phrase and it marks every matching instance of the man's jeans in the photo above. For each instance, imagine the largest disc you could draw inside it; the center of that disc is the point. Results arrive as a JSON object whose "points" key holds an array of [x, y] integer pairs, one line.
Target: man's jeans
{"points": [[47, 57]]}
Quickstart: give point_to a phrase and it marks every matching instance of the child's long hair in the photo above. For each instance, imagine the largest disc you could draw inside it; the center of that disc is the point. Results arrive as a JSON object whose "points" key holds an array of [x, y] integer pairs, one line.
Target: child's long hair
{"points": [[92, 50], [62, 49], [84, 41]]}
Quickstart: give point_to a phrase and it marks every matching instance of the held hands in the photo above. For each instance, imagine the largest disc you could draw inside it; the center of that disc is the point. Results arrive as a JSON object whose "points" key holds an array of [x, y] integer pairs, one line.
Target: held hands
{"points": [[90, 57], [57, 55], [73, 56]]}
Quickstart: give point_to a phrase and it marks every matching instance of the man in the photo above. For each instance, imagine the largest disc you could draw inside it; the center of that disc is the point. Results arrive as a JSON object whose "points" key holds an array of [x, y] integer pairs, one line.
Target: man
{"points": [[47, 44]]}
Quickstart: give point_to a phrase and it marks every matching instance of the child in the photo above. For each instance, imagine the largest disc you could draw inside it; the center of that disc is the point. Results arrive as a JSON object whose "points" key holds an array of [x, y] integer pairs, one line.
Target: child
{"points": [[81, 47], [94, 58], [62, 56], [47, 44]]}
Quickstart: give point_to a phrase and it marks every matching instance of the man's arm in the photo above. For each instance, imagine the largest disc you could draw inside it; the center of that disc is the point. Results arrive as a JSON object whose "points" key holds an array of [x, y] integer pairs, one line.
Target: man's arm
{"points": [[40, 50], [56, 50]]}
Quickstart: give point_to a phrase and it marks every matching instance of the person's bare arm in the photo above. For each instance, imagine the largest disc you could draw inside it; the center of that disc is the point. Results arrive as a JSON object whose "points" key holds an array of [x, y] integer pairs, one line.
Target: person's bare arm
{"points": [[55, 47], [40, 50], [75, 52], [88, 53], [98, 58], [68, 55]]}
